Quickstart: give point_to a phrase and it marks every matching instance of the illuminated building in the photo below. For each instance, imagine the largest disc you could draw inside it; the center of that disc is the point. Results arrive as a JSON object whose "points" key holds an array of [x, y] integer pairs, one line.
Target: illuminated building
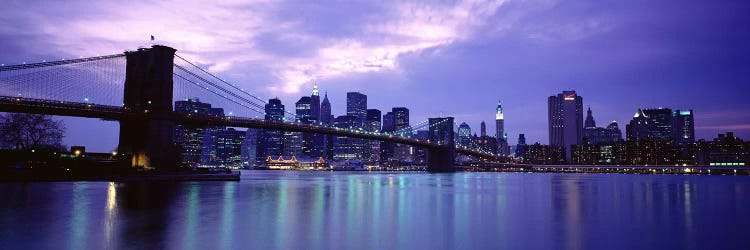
{"points": [[326, 119], [502, 137], [683, 127], [356, 106], [726, 150], [565, 116], [655, 124], [346, 148], [544, 155], [271, 140], [464, 135], [190, 140], [294, 164], [372, 147], [250, 148], [596, 135], [229, 148]]}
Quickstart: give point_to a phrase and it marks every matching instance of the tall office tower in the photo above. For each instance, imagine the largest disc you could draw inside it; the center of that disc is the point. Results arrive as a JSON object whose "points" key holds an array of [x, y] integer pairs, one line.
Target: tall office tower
{"points": [[502, 137], [356, 106], [325, 111], [210, 140], [401, 152], [590, 123], [420, 154], [565, 117], [683, 127], [346, 148], [271, 140], [190, 139], [464, 135], [484, 129], [387, 148], [317, 145], [315, 104], [655, 124], [521, 146], [297, 143], [250, 148], [372, 147], [229, 148], [326, 119]]}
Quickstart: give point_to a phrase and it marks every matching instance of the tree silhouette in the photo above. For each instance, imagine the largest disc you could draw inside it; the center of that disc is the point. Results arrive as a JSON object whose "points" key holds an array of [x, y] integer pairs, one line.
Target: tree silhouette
{"points": [[19, 131]]}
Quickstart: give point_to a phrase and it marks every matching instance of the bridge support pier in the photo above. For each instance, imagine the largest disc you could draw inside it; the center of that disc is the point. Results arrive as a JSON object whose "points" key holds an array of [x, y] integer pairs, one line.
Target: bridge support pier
{"points": [[146, 137], [440, 160]]}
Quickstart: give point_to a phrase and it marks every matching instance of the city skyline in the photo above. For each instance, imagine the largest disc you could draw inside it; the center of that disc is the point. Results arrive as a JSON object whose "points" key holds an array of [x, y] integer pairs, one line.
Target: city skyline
{"points": [[684, 58]]}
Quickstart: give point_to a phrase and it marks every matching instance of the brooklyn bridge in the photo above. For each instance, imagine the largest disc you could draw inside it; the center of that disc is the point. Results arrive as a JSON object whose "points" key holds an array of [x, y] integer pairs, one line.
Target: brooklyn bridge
{"points": [[138, 89]]}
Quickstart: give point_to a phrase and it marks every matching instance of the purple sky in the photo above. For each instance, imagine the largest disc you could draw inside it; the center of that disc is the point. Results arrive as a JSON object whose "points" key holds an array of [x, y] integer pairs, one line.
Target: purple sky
{"points": [[452, 58]]}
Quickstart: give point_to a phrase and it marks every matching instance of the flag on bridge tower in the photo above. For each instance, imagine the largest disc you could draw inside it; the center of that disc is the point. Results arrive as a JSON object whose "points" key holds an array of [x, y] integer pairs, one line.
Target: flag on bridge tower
{"points": [[152, 37]]}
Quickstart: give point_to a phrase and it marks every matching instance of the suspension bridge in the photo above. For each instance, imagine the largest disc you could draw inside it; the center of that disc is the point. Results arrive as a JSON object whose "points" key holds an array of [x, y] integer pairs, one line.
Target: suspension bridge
{"points": [[138, 89]]}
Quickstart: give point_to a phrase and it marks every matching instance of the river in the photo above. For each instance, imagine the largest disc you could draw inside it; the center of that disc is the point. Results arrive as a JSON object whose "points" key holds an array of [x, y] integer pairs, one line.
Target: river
{"points": [[360, 210]]}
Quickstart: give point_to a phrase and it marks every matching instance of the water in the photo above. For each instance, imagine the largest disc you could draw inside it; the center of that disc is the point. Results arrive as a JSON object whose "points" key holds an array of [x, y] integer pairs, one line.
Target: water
{"points": [[325, 210]]}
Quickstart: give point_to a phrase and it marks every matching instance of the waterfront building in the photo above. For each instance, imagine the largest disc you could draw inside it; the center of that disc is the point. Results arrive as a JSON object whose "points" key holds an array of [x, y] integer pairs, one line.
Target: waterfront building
{"points": [[726, 150], [521, 146], [539, 154], [683, 127], [196, 144], [502, 137], [271, 140], [372, 147], [326, 119], [294, 164], [356, 106], [346, 148], [229, 148], [464, 135], [565, 116], [596, 135], [250, 148]]}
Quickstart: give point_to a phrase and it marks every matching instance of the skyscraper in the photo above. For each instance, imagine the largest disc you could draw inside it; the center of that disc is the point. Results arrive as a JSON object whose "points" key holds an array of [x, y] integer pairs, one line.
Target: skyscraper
{"points": [[315, 104], [653, 124], [590, 123], [229, 148], [271, 140], [372, 147], [484, 129], [188, 138], [325, 111], [683, 127], [565, 117], [464, 135], [303, 111], [402, 152], [502, 137], [346, 148], [387, 148], [356, 106], [250, 148], [521, 146], [326, 119]]}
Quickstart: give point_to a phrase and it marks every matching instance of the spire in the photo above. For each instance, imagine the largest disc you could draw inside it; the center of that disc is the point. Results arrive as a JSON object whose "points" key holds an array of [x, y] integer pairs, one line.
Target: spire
{"points": [[325, 98], [590, 123], [315, 91], [499, 111]]}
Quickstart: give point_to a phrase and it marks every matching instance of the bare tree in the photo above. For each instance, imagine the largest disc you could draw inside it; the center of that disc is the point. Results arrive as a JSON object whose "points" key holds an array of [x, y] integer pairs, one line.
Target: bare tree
{"points": [[21, 131]]}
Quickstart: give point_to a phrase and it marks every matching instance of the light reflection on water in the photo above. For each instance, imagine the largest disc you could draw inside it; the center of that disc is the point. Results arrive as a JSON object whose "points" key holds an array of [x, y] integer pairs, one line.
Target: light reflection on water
{"points": [[325, 210]]}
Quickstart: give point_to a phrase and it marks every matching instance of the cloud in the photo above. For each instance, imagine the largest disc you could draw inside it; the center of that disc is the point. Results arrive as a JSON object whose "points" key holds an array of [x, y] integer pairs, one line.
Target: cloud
{"points": [[223, 35]]}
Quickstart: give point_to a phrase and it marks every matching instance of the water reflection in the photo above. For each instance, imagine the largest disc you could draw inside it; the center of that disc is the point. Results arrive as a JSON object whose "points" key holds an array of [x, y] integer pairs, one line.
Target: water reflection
{"points": [[331, 210]]}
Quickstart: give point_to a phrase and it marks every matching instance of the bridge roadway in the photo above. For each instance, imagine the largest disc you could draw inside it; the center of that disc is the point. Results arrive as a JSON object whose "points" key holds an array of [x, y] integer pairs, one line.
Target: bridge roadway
{"points": [[117, 113]]}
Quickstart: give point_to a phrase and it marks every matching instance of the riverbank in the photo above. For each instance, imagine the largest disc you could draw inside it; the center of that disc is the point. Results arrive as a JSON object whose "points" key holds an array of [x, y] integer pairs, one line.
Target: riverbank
{"points": [[29, 176]]}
